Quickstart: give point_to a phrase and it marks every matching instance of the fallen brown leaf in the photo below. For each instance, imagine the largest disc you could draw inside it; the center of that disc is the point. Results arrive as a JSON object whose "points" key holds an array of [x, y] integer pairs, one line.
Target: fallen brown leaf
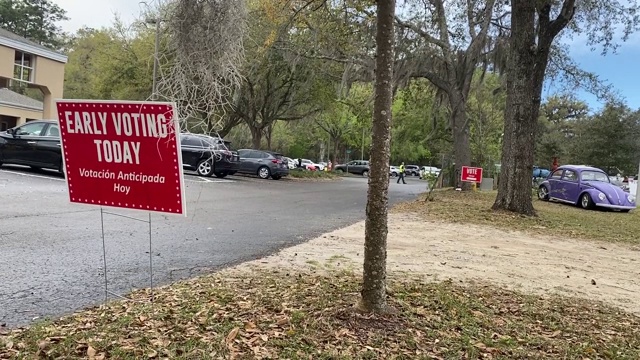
{"points": [[232, 335], [91, 353]]}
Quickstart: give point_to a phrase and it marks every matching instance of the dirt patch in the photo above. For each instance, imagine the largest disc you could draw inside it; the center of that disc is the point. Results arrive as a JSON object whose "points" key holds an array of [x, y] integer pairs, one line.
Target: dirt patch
{"points": [[439, 250]]}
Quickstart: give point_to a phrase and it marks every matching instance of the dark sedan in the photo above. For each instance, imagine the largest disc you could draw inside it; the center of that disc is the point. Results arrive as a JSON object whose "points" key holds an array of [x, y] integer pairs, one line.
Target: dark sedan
{"points": [[35, 144], [265, 164], [208, 155]]}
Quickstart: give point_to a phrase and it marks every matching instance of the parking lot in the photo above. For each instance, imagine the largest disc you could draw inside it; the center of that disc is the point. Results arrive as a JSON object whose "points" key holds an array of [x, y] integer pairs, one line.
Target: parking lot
{"points": [[52, 256]]}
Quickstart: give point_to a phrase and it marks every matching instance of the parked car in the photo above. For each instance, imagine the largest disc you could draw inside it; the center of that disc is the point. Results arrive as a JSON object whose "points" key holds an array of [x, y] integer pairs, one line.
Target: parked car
{"points": [[429, 170], [310, 165], [208, 155], [35, 144], [290, 163], [394, 171], [585, 186], [412, 170], [359, 167], [264, 164], [539, 172]]}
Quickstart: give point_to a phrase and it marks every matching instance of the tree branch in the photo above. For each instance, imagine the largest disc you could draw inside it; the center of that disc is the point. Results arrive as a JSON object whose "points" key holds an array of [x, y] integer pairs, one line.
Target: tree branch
{"points": [[428, 37], [566, 14]]}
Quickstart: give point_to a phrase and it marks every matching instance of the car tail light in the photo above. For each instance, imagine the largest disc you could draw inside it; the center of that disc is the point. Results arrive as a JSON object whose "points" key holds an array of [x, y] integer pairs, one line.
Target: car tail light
{"points": [[276, 161]]}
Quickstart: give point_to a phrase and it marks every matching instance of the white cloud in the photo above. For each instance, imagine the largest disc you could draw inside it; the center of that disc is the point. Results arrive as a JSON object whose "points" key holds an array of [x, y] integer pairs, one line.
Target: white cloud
{"points": [[97, 13]]}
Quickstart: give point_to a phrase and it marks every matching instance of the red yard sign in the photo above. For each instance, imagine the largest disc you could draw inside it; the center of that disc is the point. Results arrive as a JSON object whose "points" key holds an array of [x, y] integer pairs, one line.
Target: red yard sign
{"points": [[471, 174], [122, 154]]}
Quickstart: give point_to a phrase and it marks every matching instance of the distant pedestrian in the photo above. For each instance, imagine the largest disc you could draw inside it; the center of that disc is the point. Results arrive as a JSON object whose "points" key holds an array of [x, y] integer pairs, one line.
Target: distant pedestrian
{"points": [[401, 175]]}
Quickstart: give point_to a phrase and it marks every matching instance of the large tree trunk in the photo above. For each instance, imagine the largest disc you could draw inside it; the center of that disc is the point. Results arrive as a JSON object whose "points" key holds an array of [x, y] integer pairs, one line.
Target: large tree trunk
{"points": [[256, 137], [268, 134], [526, 68], [336, 146], [525, 76], [375, 246], [461, 141]]}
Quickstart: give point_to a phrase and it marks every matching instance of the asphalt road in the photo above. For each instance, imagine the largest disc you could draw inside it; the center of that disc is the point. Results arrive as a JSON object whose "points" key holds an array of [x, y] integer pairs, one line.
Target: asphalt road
{"points": [[51, 254]]}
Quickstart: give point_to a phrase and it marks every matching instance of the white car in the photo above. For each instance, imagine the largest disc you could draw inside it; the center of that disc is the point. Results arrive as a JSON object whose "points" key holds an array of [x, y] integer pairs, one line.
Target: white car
{"points": [[290, 163], [394, 171], [306, 163], [426, 170]]}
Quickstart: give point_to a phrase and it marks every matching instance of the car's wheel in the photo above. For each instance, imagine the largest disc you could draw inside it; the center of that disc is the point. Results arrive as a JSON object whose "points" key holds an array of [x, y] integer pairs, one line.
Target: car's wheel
{"points": [[339, 171], [543, 193], [264, 172], [365, 173], [585, 201], [276, 177], [204, 168], [220, 175], [394, 174]]}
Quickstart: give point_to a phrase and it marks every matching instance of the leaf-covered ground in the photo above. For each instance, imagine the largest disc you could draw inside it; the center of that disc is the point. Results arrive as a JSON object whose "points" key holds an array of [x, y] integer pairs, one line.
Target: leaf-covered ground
{"points": [[253, 315], [573, 222]]}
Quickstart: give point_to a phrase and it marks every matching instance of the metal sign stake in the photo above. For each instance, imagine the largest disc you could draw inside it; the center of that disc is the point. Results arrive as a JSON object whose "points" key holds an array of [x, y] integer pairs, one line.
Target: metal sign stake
{"points": [[104, 254]]}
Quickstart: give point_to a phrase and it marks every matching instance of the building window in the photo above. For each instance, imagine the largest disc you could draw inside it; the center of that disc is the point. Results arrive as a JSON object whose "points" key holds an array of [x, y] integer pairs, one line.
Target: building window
{"points": [[23, 67]]}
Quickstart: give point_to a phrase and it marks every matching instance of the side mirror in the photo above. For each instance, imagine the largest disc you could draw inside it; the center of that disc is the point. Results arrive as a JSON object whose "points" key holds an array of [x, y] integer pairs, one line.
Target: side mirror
{"points": [[11, 132]]}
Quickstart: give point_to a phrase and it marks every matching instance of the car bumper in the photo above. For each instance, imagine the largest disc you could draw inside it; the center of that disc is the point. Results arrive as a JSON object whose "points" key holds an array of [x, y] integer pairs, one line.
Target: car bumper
{"points": [[616, 207], [280, 172], [227, 166]]}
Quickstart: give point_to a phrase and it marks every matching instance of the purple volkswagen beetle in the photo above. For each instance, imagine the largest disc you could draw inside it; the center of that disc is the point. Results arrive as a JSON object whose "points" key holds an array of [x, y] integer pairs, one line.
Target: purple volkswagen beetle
{"points": [[585, 186]]}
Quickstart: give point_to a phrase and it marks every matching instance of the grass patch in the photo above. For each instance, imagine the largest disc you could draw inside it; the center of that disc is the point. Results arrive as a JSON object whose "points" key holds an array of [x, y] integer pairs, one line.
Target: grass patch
{"points": [[320, 175], [272, 315], [553, 219]]}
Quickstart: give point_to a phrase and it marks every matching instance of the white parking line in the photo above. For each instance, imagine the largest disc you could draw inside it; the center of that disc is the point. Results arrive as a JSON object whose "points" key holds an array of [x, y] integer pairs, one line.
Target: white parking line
{"points": [[203, 179], [188, 178], [32, 175]]}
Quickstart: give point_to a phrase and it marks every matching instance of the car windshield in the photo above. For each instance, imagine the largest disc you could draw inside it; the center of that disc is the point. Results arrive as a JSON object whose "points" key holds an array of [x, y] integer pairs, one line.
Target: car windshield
{"points": [[594, 176], [215, 143]]}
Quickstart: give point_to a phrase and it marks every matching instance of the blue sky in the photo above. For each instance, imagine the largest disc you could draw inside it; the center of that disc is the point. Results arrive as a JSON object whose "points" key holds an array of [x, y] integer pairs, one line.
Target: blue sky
{"points": [[618, 69]]}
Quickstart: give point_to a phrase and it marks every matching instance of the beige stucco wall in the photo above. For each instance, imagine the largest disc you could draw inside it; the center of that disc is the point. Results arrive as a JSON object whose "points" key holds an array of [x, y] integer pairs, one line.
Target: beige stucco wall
{"points": [[48, 76], [7, 56], [21, 114]]}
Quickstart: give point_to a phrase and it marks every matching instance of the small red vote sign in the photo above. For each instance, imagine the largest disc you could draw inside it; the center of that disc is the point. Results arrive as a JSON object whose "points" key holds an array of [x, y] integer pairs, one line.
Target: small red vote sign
{"points": [[471, 174], [122, 154]]}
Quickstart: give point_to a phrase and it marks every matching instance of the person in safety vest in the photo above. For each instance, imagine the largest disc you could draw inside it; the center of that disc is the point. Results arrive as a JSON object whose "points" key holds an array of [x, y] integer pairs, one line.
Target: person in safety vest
{"points": [[401, 175]]}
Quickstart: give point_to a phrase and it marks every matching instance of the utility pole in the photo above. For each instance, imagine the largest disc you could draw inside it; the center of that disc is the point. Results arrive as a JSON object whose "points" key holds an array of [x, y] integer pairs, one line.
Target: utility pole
{"points": [[154, 87], [363, 144], [156, 21]]}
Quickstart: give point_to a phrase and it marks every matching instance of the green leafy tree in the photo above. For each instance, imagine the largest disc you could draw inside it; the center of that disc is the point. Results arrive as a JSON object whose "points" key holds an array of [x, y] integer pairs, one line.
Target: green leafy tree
{"points": [[110, 64], [419, 124], [559, 116], [277, 85], [609, 140], [485, 110], [36, 20]]}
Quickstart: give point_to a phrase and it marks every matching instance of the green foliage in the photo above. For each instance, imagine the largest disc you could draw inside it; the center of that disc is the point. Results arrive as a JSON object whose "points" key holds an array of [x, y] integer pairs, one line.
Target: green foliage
{"points": [[609, 140], [110, 64], [418, 123], [35, 20], [485, 112], [556, 127]]}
